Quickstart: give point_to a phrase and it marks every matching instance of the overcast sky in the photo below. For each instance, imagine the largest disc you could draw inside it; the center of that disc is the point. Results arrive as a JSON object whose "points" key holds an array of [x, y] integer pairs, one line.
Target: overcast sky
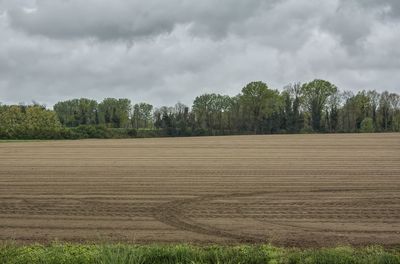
{"points": [[162, 51]]}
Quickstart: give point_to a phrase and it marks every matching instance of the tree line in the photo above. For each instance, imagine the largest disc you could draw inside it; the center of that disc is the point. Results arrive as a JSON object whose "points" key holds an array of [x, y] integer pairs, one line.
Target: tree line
{"points": [[314, 107]]}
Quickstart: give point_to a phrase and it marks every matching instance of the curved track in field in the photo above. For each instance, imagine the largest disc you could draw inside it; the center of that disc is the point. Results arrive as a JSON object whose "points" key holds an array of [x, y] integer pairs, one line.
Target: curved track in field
{"points": [[368, 208]]}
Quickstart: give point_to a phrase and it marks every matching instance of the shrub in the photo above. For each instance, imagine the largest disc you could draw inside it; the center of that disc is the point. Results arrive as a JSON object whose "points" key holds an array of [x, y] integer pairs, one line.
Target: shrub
{"points": [[367, 125], [132, 132], [89, 131]]}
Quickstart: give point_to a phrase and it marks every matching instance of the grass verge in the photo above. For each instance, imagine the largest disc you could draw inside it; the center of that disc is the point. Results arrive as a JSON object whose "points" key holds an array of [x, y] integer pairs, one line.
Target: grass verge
{"points": [[119, 253]]}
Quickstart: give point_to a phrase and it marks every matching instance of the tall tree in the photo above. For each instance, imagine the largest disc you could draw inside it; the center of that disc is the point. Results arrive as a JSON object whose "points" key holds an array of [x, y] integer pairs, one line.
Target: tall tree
{"points": [[374, 98], [348, 118], [292, 120], [259, 102], [114, 112], [142, 115], [315, 95], [182, 118], [77, 112], [234, 114], [202, 108], [384, 111], [332, 112]]}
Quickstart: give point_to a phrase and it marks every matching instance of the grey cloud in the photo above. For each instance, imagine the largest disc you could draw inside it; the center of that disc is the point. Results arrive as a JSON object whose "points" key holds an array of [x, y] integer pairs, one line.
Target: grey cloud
{"points": [[389, 8], [350, 23], [167, 51], [124, 19]]}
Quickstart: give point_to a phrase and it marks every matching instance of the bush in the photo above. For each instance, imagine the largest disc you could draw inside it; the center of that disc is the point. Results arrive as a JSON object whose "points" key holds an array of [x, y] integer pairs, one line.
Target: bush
{"points": [[88, 131], [306, 130], [150, 133], [132, 132], [199, 132], [367, 125]]}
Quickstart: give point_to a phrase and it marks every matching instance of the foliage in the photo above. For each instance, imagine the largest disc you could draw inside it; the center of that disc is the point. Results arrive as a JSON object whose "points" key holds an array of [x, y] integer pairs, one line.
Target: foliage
{"points": [[142, 116], [114, 112], [367, 125], [315, 95], [292, 117], [259, 105], [28, 122], [314, 107], [77, 112]]}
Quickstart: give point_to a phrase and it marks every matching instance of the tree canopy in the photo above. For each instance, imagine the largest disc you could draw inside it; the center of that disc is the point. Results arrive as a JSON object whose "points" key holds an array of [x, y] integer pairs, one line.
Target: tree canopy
{"points": [[317, 106]]}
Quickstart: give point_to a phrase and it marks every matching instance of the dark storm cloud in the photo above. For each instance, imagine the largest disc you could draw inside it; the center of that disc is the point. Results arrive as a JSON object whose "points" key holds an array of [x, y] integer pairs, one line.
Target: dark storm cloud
{"points": [[121, 19], [164, 51]]}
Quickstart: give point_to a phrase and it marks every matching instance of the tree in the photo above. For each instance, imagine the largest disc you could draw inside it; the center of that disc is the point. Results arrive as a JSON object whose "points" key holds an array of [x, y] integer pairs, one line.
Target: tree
{"points": [[292, 119], [347, 113], [374, 98], [384, 111], [315, 95], [142, 115], [146, 113], [235, 114], [114, 112], [136, 116], [77, 112], [332, 112], [202, 108], [259, 102], [181, 116], [388, 111], [165, 119], [395, 108], [32, 121]]}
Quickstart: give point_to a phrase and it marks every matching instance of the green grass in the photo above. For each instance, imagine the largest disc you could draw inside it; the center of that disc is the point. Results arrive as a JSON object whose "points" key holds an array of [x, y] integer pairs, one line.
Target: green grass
{"points": [[154, 254]]}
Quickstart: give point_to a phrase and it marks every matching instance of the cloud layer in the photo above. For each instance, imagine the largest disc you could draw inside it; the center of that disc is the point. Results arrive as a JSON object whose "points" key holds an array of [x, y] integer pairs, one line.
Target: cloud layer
{"points": [[164, 51]]}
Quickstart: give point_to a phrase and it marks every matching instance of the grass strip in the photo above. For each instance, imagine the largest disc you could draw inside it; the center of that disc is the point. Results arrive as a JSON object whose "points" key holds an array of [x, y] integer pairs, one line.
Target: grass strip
{"points": [[65, 253]]}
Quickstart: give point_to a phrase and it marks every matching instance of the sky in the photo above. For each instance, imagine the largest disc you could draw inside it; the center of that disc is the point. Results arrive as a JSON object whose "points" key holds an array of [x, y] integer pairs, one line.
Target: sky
{"points": [[162, 52]]}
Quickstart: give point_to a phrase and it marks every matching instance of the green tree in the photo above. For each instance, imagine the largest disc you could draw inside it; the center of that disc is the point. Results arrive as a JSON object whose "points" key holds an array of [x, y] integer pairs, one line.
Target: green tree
{"points": [[259, 102], [77, 112], [181, 116], [384, 111], [348, 116], [142, 115], [332, 112], [315, 95], [235, 114], [292, 116], [203, 109], [33, 121], [374, 98], [115, 112]]}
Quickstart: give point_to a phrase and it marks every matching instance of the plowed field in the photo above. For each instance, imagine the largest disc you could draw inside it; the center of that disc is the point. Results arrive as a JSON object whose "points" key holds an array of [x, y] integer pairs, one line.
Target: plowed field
{"points": [[293, 190]]}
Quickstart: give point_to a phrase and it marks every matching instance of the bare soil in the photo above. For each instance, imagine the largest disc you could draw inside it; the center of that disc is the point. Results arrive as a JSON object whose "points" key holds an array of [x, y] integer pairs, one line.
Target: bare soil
{"points": [[291, 190]]}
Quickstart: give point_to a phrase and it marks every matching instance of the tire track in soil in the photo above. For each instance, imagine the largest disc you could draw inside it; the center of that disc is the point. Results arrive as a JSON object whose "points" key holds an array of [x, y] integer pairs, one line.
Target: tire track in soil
{"points": [[172, 214]]}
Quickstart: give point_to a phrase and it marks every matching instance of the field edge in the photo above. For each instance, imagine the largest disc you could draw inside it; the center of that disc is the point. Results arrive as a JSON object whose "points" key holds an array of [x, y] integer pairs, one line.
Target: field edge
{"points": [[57, 252]]}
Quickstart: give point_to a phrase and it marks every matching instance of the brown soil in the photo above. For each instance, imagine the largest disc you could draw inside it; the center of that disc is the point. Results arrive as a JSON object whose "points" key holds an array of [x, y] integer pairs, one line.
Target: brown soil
{"points": [[292, 190]]}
